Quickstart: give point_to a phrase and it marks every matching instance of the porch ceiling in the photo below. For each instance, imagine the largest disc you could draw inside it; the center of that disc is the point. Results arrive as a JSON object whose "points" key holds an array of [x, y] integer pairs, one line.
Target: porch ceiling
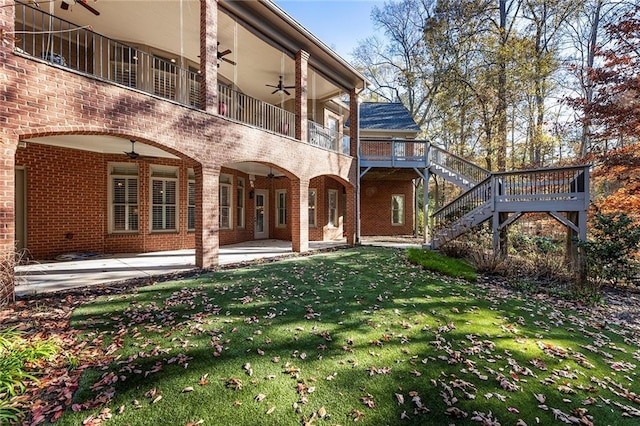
{"points": [[174, 27], [102, 144]]}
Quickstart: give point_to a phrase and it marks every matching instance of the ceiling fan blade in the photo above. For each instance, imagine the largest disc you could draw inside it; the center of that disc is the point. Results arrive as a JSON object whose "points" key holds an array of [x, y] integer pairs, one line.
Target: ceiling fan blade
{"points": [[275, 91], [271, 85], [226, 52], [229, 61], [85, 4], [286, 92], [289, 87]]}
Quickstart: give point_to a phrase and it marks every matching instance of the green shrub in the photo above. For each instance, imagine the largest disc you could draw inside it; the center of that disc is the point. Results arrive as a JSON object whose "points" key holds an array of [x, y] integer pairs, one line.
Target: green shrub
{"points": [[15, 353], [436, 262], [9, 413], [610, 253]]}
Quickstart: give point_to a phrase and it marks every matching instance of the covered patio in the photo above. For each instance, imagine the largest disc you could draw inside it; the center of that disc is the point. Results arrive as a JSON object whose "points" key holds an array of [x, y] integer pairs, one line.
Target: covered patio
{"points": [[51, 276]]}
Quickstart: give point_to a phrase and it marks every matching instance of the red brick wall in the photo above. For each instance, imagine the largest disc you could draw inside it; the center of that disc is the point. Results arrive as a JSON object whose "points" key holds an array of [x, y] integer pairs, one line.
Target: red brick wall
{"points": [[375, 215], [322, 230], [237, 235], [41, 100], [67, 204]]}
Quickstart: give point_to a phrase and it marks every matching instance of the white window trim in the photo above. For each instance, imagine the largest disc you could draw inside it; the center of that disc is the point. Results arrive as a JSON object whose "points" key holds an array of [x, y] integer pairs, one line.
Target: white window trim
{"points": [[315, 207], [167, 170], [402, 212], [110, 213], [280, 224], [229, 187], [331, 192]]}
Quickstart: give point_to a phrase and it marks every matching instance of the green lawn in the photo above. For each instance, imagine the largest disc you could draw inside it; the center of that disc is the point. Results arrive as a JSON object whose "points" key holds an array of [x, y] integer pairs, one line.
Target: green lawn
{"points": [[358, 334]]}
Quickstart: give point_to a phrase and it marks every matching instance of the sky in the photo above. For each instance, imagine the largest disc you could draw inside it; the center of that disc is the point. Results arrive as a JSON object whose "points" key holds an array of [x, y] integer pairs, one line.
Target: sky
{"points": [[340, 24]]}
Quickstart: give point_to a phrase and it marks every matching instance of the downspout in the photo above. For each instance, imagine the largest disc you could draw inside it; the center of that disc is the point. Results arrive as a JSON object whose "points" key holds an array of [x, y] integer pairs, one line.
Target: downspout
{"points": [[358, 171]]}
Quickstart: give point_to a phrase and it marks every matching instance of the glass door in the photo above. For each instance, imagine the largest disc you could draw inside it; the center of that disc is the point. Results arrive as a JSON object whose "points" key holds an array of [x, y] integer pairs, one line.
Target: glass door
{"points": [[262, 215]]}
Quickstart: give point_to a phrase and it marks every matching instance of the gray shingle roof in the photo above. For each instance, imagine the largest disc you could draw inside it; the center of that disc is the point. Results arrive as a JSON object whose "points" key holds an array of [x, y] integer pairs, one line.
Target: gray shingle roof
{"points": [[386, 116]]}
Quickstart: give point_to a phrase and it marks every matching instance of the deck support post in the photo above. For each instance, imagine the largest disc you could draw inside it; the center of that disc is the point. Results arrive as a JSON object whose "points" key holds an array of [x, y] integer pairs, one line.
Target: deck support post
{"points": [[425, 206], [500, 234], [574, 257]]}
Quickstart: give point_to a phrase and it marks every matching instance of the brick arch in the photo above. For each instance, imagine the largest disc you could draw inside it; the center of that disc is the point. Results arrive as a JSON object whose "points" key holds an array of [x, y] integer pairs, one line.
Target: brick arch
{"points": [[98, 131], [348, 185], [288, 173]]}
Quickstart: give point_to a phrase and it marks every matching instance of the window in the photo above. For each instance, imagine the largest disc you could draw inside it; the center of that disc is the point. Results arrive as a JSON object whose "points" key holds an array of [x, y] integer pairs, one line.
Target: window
{"points": [[333, 208], [191, 200], [397, 209], [224, 200], [164, 185], [240, 203], [281, 208], [312, 207], [124, 198]]}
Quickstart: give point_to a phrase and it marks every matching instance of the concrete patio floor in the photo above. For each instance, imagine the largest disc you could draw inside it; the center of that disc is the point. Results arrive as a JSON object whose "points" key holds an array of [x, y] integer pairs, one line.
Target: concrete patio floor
{"points": [[44, 277]]}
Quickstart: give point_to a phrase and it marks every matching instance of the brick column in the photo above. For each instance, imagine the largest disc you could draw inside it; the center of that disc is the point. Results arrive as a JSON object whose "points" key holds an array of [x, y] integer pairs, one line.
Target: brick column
{"points": [[209, 55], [207, 225], [350, 220], [302, 60], [299, 215], [8, 146], [354, 123]]}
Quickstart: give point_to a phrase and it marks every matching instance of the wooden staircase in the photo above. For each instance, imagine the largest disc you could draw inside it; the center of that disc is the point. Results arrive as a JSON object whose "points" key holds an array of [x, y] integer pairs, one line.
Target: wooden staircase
{"points": [[561, 192]]}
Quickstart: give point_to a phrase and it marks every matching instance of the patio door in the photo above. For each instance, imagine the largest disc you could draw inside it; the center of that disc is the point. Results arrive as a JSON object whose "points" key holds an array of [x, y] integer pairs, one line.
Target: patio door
{"points": [[262, 214]]}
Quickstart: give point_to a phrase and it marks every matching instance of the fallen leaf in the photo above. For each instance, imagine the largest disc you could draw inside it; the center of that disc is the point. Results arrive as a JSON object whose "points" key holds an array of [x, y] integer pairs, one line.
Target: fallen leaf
{"points": [[322, 412]]}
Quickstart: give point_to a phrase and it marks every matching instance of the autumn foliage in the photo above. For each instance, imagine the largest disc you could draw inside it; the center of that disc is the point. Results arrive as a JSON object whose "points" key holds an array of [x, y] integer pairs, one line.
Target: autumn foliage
{"points": [[616, 181], [615, 109]]}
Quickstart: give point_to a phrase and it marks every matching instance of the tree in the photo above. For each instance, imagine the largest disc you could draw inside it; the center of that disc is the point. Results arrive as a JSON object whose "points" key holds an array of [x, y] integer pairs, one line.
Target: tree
{"points": [[546, 19], [616, 106], [399, 66]]}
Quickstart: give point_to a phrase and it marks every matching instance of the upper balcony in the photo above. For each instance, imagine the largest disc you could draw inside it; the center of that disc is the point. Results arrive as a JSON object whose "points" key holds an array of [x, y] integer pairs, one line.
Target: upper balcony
{"points": [[156, 49]]}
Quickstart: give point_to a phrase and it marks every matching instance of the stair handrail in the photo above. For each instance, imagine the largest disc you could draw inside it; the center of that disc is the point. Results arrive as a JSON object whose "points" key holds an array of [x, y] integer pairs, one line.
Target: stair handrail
{"points": [[464, 203], [472, 172]]}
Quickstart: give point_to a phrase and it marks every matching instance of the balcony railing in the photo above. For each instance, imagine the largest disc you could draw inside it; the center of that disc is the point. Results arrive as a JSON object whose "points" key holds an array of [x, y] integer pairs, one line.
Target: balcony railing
{"points": [[323, 137], [63, 43], [255, 112], [393, 152]]}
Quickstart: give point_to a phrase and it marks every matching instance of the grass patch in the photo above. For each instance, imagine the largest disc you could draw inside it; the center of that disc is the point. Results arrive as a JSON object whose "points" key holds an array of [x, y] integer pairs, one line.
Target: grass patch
{"points": [[359, 334], [437, 262]]}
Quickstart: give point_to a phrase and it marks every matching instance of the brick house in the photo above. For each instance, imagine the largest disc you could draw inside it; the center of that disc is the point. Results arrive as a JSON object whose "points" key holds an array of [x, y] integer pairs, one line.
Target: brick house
{"points": [[387, 193], [134, 127]]}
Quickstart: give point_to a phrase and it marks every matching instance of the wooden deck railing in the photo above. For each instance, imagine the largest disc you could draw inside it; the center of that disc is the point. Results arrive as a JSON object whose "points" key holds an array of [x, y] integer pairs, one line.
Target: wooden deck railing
{"points": [[472, 172], [394, 151], [553, 189], [463, 204]]}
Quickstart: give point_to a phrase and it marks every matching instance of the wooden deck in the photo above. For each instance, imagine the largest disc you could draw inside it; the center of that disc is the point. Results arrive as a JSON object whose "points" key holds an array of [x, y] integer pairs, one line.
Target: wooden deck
{"points": [[562, 192]]}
